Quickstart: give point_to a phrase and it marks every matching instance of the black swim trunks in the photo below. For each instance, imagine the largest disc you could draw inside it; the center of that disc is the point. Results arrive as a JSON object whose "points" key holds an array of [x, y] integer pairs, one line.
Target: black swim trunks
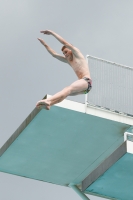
{"points": [[89, 81]]}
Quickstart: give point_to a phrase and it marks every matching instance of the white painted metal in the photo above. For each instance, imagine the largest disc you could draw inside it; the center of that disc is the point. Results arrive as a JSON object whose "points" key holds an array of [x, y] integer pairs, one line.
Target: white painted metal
{"points": [[126, 135], [109, 62], [112, 85], [86, 102], [86, 95], [129, 143], [130, 147], [109, 114], [95, 111]]}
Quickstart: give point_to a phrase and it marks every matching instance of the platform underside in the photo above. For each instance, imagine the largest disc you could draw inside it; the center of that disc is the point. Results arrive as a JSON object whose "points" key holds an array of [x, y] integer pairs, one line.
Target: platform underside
{"points": [[63, 145]]}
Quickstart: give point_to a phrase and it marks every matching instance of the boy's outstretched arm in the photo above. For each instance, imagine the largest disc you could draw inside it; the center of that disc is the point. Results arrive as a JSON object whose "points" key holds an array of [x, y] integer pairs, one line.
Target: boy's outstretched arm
{"points": [[58, 37], [52, 52], [62, 40]]}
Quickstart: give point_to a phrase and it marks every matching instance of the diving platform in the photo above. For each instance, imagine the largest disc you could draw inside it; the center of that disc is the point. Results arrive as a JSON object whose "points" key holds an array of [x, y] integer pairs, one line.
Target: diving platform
{"points": [[85, 146], [69, 144]]}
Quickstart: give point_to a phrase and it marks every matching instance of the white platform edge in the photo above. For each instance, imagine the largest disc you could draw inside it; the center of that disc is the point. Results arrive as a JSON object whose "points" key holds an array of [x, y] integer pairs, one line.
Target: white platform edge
{"points": [[84, 108], [72, 105], [109, 115]]}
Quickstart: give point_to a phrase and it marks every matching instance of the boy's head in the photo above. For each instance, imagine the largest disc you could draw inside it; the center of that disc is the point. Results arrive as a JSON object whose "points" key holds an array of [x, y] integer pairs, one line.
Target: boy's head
{"points": [[67, 52], [63, 48]]}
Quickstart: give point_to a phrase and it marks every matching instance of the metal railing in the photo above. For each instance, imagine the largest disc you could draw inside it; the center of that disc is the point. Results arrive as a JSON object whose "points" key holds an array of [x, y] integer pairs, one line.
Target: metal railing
{"points": [[112, 85]]}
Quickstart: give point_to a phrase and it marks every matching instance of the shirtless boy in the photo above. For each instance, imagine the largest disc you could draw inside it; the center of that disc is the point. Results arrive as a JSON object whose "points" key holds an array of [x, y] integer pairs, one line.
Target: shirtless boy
{"points": [[76, 60]]}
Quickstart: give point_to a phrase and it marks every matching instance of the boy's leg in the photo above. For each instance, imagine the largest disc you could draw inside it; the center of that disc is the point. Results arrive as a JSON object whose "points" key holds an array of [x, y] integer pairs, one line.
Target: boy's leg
{"points": [[74, 89]]}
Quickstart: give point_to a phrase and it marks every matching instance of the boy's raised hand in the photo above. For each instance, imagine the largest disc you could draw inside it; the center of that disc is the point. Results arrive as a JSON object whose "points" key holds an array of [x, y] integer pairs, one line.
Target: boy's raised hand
{"points": [[47, 32], [42, 41]]}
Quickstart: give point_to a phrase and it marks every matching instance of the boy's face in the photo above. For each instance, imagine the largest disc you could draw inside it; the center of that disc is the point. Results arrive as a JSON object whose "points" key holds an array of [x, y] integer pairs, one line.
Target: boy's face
{"points": [[67, 53]]}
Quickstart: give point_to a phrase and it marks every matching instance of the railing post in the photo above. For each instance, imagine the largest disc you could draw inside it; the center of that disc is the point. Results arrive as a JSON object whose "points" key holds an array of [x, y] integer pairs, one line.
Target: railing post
{"points": [[86, 95]]}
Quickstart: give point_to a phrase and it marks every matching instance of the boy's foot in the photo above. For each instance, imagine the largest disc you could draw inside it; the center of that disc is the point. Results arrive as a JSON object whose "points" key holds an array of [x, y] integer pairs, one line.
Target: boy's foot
{"points": [[43, 104]]}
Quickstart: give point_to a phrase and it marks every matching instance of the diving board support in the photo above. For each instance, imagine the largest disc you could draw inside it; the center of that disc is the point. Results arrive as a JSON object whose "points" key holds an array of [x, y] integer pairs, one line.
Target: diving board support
{"points": [[129, 133], [105, 165], [128, 137], [86, 95], [78, 191]]}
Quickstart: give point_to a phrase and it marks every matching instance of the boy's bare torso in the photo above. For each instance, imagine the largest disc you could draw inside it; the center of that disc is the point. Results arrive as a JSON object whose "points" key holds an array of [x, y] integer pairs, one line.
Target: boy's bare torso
{"points": [[79, 65]]}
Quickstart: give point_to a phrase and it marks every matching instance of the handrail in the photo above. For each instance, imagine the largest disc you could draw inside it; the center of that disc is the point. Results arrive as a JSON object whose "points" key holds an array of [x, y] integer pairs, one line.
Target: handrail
{"points": [[112, 85]]}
